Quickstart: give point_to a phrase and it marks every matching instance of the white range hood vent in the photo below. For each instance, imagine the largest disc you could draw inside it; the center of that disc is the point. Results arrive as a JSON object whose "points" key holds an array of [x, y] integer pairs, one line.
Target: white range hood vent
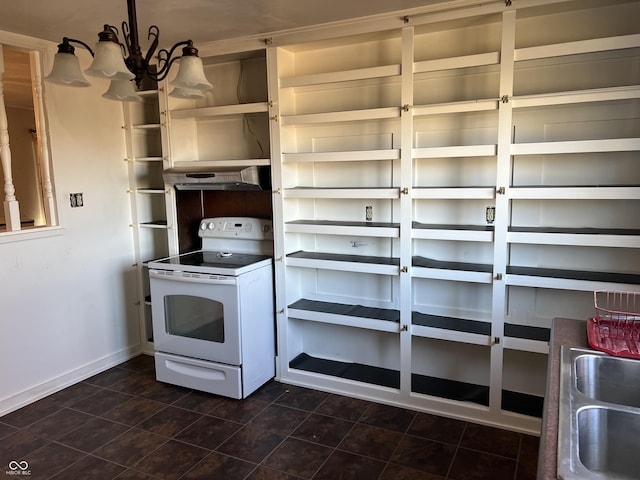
{"points": [[209, 178]]}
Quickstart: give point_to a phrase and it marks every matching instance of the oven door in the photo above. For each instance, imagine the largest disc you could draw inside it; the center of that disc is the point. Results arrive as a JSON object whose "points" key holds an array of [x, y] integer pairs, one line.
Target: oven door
{"points": [[196, 315]]}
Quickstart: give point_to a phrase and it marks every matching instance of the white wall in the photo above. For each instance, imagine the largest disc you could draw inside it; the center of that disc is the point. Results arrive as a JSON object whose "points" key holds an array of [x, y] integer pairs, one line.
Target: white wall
{"points": [[67, 302]]}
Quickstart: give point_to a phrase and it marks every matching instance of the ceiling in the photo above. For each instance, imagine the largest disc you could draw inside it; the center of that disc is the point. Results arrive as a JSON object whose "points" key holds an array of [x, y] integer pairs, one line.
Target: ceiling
{"points": [[198, 20]]}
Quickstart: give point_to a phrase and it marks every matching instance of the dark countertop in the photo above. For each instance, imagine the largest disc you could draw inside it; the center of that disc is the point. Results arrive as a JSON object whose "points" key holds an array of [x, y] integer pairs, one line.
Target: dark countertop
{"points": [[564, 332]]}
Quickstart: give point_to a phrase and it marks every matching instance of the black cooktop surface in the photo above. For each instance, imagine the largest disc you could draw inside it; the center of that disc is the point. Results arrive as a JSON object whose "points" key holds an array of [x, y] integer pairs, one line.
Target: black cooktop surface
{"points": [[214, 259]]}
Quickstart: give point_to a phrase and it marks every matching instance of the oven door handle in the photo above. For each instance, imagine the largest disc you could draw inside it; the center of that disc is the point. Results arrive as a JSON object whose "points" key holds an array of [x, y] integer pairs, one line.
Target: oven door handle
{"points": [[192, 277]]}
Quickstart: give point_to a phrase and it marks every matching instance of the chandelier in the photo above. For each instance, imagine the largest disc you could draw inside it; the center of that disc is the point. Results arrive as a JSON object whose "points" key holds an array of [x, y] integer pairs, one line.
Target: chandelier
{"points": [[124, 63]]}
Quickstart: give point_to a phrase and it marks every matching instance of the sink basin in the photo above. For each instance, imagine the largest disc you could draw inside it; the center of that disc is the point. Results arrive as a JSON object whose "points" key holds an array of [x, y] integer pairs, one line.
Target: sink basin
{"points": [[608, 379], [607, 441], [599, 416]]}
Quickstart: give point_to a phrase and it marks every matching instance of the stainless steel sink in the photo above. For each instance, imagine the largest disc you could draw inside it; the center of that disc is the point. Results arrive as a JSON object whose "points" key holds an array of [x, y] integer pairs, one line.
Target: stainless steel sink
{"points": [[609, 379], [607, 441], [599, 417]]}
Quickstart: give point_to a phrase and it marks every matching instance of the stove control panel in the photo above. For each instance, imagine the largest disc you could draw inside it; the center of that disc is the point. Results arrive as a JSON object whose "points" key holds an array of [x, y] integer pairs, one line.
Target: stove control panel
{"points": [[236, 227]]}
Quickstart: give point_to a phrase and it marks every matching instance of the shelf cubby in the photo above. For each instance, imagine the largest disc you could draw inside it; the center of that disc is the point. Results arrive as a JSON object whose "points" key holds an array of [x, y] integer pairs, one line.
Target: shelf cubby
{"points": [[357, 372], [374, 318], [335, 261]]}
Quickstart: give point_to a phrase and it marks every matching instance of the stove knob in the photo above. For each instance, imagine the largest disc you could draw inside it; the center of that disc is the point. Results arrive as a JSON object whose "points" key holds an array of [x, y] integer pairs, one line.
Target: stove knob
{"points": [[211, 225], [203, 226]]}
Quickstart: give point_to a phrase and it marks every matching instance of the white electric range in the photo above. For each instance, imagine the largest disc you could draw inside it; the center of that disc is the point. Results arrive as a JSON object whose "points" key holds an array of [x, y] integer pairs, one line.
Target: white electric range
{"points": [[213, 309]]}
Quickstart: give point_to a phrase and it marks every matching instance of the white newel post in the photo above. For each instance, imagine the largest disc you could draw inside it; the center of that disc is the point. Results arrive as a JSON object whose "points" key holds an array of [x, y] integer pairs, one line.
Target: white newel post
{"points": [[43, 143], [11, 210]]}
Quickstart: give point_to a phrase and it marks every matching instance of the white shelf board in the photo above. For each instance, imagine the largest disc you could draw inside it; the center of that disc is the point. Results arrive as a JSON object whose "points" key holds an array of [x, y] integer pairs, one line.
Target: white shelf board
{"points": [[369, 114], [576, 146], [146, 126], [249, 162], [373, 268], [364, 231], [525, 345], [455, 151], [573, 193], [343, 156], [479, 105], [344, 320], [153, 225], [452, 234], [220, 111], [566, 283], [577, 96], [364, 193], [574, 239], [147, 159], [450, 335], [148, 93], [578, 47], [453, 275], [466, 61], [341, 76], [462, 193], [150, 191]]}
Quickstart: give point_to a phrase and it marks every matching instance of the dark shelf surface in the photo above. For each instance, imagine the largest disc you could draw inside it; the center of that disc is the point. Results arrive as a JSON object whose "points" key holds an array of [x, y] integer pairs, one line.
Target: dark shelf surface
{"points": [[481, 328], [523, 403], [450, 389], [425, 262], [160, 223], [353, 371], [451, 226], [527, 332], [607, 277], [303, 187], [347, 310], [344, 224], [451, 323], [438, 387], [345, 258], [576, 231]]}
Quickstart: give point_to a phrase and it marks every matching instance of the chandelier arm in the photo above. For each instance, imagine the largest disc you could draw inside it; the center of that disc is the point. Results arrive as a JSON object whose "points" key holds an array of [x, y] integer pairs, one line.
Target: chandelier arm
{"points": [[164, 71], [67, 40], [154, 32], [126, 35], [165, 61]]}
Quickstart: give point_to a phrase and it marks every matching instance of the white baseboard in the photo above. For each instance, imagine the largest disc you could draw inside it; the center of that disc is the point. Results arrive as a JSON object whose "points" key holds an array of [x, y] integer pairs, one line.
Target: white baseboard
{"points": [[19, 400]]}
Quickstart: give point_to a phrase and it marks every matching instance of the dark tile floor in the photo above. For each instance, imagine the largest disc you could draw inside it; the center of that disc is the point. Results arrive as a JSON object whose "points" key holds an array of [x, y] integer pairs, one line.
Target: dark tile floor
{"points": [[122, 424]]}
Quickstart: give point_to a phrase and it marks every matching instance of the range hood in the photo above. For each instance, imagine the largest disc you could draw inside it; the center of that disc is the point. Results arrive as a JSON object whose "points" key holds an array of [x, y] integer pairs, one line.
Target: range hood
{"points": [[224, 178]]}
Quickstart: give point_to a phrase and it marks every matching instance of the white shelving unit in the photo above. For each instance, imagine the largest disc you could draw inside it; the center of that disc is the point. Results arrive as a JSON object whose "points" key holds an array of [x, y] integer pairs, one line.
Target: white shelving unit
{"points": [[443, 191], [151, 201]]}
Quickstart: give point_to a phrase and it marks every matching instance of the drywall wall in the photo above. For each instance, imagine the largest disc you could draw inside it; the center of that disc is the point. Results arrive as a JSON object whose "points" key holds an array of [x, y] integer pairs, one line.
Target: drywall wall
{"points": [[67, 301]]}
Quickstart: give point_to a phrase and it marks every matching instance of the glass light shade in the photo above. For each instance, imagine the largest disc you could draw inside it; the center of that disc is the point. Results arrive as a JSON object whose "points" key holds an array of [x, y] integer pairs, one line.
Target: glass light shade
{"points": [[108, 63], [192, 93], [123, 91], [66, 71], [191, 74]]}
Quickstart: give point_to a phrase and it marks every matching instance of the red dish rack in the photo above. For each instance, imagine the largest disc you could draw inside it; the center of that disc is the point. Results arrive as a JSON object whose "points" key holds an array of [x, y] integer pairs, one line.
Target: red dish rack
{"points": [[616, 327]]}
